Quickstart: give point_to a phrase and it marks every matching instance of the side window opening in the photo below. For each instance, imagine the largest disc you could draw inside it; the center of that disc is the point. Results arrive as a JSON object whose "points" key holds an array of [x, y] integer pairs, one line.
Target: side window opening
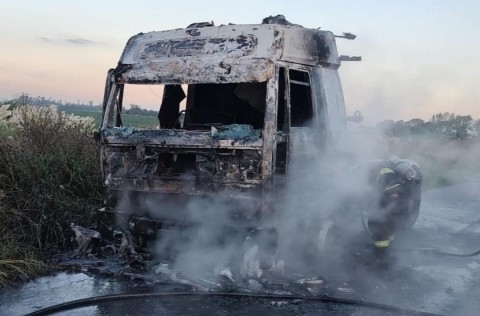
{"points": [[301, 109], [282, 123], [282, 102]]}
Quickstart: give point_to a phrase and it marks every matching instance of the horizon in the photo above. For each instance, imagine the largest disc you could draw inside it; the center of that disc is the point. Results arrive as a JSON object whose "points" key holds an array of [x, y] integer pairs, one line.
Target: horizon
{"points": [[67, 103]]}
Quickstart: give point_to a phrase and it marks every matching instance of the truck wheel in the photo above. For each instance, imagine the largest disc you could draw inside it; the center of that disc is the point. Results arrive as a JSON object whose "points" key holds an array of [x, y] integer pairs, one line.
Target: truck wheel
{"points": [[328, 240], [413, 214]]}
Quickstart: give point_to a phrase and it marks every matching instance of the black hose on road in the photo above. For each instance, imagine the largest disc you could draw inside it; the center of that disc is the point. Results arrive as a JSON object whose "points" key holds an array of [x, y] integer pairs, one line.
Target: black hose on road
{"points": [[437, 251], [324, 299]]}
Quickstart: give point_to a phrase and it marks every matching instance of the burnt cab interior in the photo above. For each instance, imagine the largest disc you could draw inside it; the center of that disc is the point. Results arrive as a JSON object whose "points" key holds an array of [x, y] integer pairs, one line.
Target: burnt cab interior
{"points": [[214, 104]]}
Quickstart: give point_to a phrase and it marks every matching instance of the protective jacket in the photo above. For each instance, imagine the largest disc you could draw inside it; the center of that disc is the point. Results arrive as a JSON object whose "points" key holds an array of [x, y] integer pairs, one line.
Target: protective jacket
{"points": [[396, 188]]}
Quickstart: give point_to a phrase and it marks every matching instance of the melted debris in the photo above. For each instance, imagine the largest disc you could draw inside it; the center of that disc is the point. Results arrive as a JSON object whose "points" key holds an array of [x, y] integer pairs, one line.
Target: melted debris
{"points": [[235, 132]]}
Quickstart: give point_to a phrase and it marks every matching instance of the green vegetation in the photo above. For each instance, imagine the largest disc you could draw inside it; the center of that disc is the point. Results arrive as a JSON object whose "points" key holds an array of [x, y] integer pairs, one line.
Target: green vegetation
{"points": [[137, 110], [18, 261], [135, 116], [135, 120], [50, 178], [139, 120], [97, 115], [444, 125]]}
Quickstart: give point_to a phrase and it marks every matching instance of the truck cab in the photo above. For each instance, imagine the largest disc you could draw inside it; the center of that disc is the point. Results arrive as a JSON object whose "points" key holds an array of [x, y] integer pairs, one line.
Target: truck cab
{"points": [[238, 101]]}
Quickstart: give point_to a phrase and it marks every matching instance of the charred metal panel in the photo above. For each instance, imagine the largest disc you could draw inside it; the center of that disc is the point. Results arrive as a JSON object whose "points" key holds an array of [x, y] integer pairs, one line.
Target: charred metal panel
{"points": [[179, 139], [86, 239], [179, 161], [244, 167], [179, 71], [217, 42], [241, 45], [108, 112], [334, 102], [270, 132], [310, 47], [185, 171], [216, 54], [208, 55]]}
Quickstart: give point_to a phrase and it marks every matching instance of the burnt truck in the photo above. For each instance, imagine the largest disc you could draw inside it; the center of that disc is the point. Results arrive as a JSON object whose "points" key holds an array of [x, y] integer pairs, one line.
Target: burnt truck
{"points": [[234, 99]]}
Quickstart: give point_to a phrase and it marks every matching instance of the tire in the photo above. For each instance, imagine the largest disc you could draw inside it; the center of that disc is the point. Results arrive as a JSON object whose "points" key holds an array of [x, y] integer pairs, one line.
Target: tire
{"points": [[328, 240], [413, 213]]}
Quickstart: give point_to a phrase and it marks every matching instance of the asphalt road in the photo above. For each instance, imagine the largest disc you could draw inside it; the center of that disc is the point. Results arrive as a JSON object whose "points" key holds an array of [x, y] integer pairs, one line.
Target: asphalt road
{"points": [[423, 280], [408, 276]]}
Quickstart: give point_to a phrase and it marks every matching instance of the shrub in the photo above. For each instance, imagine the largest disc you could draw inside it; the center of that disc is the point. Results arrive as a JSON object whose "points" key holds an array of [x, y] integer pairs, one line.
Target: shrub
{"points": [[5, 115], [49, 177], [18, 262]]}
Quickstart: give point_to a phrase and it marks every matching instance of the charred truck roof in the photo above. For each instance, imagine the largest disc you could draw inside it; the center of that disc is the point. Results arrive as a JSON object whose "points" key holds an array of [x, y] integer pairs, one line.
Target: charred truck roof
{"points": [[219, 54], [235, 100]]}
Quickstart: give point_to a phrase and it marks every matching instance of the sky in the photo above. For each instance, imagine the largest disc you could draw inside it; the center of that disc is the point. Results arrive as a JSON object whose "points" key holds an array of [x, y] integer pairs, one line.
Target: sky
{"points": [[419, 57]]}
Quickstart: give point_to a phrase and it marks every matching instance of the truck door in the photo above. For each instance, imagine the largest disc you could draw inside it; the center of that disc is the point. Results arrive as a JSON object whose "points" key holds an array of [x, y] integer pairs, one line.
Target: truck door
{"points": [[300, 117], [301, 113]]}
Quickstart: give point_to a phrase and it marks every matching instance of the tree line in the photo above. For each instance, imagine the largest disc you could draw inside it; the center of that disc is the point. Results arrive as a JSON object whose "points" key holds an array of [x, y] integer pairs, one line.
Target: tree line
{"points": [[26, 99], [450, 125], [446, 124]]}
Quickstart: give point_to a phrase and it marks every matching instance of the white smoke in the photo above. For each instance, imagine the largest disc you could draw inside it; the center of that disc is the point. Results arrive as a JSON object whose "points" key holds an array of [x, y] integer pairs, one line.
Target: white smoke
{"points": [[322, 186]]}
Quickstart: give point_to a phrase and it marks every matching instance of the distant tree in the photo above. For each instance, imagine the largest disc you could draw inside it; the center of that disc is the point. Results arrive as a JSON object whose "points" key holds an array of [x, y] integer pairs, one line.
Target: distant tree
{"points": [[476, 124], [387, 127], [442, 117], [134, 110], [450, 125], [454, 126], [416, 126], [403, 129], [415, 122], [12, 102], [463, 127], [137, 110]]}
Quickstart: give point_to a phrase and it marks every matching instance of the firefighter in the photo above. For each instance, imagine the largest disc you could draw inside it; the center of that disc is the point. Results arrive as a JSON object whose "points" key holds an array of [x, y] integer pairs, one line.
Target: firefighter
{"points": [[395, 199]]}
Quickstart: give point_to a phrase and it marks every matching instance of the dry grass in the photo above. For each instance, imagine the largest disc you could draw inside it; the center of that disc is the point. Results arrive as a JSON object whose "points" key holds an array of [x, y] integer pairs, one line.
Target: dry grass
{"points": [[49, 177], [18, 262]]}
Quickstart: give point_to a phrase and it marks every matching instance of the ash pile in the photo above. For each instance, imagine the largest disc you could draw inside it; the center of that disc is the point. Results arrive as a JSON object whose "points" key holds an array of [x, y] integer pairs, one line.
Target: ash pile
{"points": [[257, 268]]}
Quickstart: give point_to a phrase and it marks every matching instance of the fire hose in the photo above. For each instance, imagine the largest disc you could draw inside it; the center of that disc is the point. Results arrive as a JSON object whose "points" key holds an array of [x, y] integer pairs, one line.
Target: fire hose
{"points": [[324, 299], [437, 251]]}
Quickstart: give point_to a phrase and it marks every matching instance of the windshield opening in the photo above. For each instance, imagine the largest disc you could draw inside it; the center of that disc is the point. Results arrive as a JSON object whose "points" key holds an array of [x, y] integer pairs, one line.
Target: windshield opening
{"points": [[222, 104], [193, 107]]}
